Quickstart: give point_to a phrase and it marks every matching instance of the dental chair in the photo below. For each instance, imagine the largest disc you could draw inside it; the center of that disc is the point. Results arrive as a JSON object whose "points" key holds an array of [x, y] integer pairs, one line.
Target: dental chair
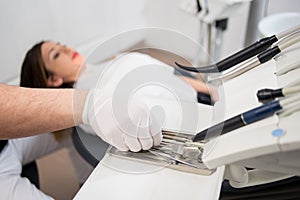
{"points": [[92, 148]]}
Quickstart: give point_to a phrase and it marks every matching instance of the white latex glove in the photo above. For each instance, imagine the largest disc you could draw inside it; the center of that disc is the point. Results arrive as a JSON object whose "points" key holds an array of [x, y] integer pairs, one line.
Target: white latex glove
{"points": [[130, 127], [118, 109]]}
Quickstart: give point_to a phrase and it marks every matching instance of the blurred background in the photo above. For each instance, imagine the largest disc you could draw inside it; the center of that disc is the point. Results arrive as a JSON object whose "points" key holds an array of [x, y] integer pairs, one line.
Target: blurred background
{"points": [[82, 24], [79, 23]]}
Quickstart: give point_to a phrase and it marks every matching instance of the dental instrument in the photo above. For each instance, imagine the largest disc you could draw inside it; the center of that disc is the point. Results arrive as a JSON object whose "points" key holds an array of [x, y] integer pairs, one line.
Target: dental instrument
{"points": [[180, 148], [244, 119], [243, 54], [266, 95], [259, 59], [176, 151]]}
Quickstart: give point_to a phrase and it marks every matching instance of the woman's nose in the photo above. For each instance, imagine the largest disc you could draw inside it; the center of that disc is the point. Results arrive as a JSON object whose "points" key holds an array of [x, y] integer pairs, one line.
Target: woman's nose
{"points": [[67, 49], [64, 48]]}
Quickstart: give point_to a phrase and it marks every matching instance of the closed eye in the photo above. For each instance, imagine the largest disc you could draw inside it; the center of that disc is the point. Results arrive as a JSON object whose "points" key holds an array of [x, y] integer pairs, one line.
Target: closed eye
{"points": [[56, 55]]}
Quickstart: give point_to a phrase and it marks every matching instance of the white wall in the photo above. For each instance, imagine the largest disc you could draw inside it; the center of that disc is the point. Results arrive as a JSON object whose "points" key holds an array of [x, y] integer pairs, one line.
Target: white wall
{"points": [[25, 22], [76, 22]]}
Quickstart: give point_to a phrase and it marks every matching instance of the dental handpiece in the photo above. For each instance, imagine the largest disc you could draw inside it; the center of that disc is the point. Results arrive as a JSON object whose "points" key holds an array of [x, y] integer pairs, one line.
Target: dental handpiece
{"points": [[239, 121], [241, 55], [248, 117], [234, 59], [266, 95]]}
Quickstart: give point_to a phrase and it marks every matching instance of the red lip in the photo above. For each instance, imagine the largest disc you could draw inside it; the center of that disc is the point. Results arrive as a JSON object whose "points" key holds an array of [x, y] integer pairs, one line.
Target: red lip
{"points": [[75, 54]]}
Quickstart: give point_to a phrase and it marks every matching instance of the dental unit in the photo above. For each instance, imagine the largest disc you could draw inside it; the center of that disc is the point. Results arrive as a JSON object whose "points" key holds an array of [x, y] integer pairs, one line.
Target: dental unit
{"points": [[262, 137]]}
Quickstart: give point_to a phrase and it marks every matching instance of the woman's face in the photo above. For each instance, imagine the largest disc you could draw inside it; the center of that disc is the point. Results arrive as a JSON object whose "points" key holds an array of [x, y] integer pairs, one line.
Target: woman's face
{"points": [[61, 61]]}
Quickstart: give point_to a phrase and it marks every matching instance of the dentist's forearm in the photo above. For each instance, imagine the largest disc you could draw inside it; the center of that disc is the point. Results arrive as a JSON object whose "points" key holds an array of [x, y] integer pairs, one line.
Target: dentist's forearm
{"points": [[26, 111]]}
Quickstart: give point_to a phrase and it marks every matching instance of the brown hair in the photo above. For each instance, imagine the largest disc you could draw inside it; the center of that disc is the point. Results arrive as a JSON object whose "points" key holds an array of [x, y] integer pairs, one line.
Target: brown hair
{"points": [[33, 72]]}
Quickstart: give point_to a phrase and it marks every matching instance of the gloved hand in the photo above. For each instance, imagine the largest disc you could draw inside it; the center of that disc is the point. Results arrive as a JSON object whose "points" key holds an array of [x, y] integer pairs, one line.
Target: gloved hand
{"points": [[125, 124]]}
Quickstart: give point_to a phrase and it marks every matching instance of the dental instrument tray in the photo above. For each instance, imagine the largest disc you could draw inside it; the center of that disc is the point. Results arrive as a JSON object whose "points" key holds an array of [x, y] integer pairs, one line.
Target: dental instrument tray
{"points": [[176, 151]]}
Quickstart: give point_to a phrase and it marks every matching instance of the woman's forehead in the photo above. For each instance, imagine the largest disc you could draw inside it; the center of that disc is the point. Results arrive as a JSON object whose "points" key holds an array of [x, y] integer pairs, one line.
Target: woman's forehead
{"points": [[46, 48]]}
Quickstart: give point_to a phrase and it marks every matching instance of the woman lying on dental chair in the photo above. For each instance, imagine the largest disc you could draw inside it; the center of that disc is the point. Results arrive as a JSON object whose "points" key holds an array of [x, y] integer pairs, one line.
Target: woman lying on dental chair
{"points": [[47, 65], [64, 72]]}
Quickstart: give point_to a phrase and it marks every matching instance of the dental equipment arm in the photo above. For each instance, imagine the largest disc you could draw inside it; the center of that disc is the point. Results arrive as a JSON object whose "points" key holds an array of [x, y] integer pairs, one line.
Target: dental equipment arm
{"points": [[269, 146], [243, 54]]}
